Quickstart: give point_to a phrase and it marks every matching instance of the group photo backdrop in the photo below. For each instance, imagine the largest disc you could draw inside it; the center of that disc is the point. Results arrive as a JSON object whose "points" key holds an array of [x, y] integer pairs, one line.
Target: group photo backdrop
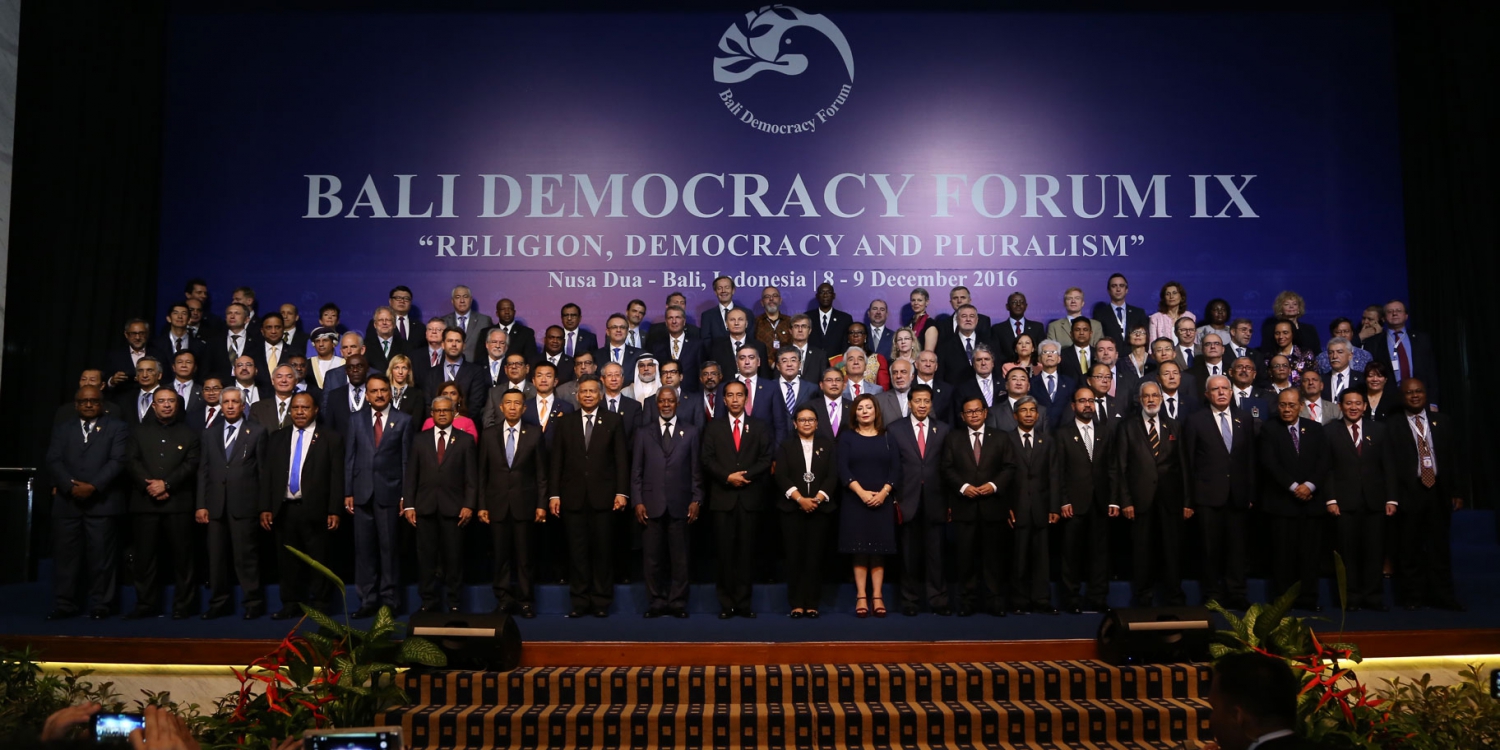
{"points": [[596, 158]]}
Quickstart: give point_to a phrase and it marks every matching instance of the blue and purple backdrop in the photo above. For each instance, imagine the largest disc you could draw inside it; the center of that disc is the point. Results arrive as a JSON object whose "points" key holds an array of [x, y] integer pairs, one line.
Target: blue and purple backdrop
{"points": [[599, 158]]}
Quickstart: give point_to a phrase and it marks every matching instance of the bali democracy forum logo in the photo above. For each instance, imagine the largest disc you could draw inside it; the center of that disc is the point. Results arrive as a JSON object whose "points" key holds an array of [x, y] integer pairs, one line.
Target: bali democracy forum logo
{"points": [[784, 68]]}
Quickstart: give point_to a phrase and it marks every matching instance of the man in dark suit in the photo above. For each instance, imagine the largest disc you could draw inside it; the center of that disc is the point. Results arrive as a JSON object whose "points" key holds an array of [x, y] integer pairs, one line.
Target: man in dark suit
{"points": [[1219, 448], [955, 352], [830, 325], [658, 330], [834, 415], [552, 353], [269, 351], [1361, 482], [230, 503], [1052, 389], [442, 482], [1247, 396], [725, 350], [1254, 701], [494, 349], [135, 403], [292, 334], [184, 380], [678, 344], [667, 490], [879, 332], [304, 482], [1117, 316], [1341, 376], [1081, 497], [1409, 353], [1150, 479], [923, 504], [120, 363], [1427, 494], [384, 342], [575, 339], [616, 349], [519, 338], [342, 403], [163, 477], [737, 459], [942, 392], [92, 377], [176, 337], [229, 344], [465, 319], [275, 411], [513, 486], [85, 459], [515, 376], [1107, 408], [545, 406], [714, 322], [948, 325], [1179, 396], [209, 411], [1031, 513], [1004, 336], [762, 399], [814, 359], [1294, 457], [471, 377], [1078, 356], [1212, 362], [613, 399], [979, 465], [789, 367], [589, 481], [1017, 387], [376, 446]]}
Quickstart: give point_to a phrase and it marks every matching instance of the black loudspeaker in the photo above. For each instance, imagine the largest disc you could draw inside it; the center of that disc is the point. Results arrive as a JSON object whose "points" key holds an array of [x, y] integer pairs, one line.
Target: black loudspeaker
{"points": [[1147, 635], [490, 643]]}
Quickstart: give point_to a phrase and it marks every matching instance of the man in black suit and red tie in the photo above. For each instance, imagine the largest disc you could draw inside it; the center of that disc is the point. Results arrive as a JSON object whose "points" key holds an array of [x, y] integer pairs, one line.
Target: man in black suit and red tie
{"points": [[1409, 353], [1427, 493], [1081, 492], [924, 506], [1294, 458], [590, 481], [737, 459], [979, 464], [442, 484], [304, 481], [1219, 447], [1361, 491], [667, 490], [1150, 478], [513, 486]]}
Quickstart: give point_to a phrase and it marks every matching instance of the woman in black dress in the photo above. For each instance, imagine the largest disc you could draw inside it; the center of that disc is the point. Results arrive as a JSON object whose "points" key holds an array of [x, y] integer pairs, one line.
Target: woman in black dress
{"points": [[869, 469], [806, 478]]}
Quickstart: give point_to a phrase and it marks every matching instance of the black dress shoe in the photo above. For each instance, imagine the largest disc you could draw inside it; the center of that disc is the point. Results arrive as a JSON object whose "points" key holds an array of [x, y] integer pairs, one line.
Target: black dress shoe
{"points": [[181, 614], [1045, 610], [965, 611], [909, 610], [653, 613], [254, 613], [796, 614], [287, 612], [528, 611], [215, 613], [725, 614], [679, 613], [577, 613], [812, 614], [140, 614], [1075, 610], [601, 612], [745, 613], [453, 610], [98, 613], [943, 611], [429, 609], [365, 611]]}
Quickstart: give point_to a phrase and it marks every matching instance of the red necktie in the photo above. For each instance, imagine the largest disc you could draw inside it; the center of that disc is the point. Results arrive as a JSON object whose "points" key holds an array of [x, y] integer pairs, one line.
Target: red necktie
{"points": [[442, 446], [211, 411], [1354, 428], [710, 410], [736, 433], [379, 427], [434, 359], [921, 440], [1018, 328], [1401, 358], [749, 398], [856, 389], [1312, 408]]}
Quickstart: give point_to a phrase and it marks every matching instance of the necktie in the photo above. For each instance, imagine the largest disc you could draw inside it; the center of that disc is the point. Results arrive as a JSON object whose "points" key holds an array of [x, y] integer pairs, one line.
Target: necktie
{"points": [[666, 430], [1213, 370], [969, 349], [1338, 385], [1312, 408], [676, 348], [749, 395], [1427, 473], [833, 416], [542, 411], [234, 345], [633, 341], [736, 433], [875, 337], [1120, 315], [281, 413], [1154, 437], [434, 358], [791, 398], [588, 430], [379, 427], [442, 444], [856, 389], [569, 352], [1027, 442], [825, 322], [1088, 440], [182, 391], [1404, 363], [1051, 387], [984, 385], [1296, 438], [463, 323], [1018, 328], [229, 439], [385, 347], [88, 429], [452, 371], [274, 357], [1083, 360], [616, 358], [212, 410], [922, 439], [1239, 351], [358, 397], [1172, 407], [724, 316], [978, 448], [145, 405], [401, 326], [177, 343], [1100, 410], [510, 447], [1225, 432], [494, 371], [710, 410], [295, 482], [1187, 354], [1354, 433], [614, 405]]}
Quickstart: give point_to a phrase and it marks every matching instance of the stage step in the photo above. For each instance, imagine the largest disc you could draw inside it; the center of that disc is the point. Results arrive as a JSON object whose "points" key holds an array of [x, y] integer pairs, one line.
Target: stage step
{"points": [[1076, 704]]}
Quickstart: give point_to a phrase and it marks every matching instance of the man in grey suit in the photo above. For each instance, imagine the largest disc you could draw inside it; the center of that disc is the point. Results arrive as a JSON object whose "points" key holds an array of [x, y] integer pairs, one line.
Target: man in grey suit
{"points": [[1315, 407], [667, 490], [85, 459], [231, 504], [375, 453], [466, 319], [896, 403]]}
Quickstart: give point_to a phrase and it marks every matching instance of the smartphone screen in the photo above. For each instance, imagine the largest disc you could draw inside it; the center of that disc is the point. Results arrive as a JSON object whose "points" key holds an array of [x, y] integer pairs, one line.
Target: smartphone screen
{"points": [[357, 740], [116, 727]]}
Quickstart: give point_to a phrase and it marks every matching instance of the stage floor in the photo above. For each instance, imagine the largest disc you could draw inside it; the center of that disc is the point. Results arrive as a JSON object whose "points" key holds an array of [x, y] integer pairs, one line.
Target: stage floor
{"points": [[1476, 565]]}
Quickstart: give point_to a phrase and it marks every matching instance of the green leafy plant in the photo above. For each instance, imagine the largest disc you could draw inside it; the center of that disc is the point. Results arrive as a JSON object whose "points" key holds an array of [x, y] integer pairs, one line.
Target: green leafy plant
{"points": [[1423, 716], [28, 696]]}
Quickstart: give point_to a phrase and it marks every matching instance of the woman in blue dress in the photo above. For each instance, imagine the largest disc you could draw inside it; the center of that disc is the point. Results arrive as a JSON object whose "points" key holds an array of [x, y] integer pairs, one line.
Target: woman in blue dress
{"points": [[869, 470]]}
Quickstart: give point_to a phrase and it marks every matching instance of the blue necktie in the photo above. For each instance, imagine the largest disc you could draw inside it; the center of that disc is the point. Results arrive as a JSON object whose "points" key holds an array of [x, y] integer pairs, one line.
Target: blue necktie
{"points": [[510, 447], [617, 355], [1224, 430], [969, 349], [791, 398], [229, 440], [452, 372], [295, 485]]}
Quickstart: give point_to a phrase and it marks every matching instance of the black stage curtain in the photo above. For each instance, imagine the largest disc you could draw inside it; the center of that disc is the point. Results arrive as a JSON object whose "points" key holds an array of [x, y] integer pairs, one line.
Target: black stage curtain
{"points": [[86, 205]]}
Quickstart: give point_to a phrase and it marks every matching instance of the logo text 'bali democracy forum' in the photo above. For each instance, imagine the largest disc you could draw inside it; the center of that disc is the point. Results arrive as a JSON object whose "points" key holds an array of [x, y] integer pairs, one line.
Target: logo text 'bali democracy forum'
{"points": [[759, 55]]}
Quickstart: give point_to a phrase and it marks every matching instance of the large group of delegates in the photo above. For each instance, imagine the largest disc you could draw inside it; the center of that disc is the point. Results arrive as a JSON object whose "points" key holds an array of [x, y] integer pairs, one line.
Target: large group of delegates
{"points": [[966, 445]]}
